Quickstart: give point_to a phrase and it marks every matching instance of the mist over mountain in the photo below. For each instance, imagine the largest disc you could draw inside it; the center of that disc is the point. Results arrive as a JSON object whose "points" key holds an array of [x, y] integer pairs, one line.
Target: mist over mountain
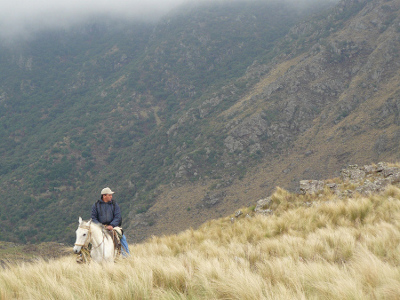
{"points": [[193, 116], [24, 19]]}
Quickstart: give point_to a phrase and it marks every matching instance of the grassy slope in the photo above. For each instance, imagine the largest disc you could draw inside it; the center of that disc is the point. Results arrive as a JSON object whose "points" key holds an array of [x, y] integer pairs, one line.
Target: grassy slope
{"points": [[366, 135], [333, 249], [11, 253]]}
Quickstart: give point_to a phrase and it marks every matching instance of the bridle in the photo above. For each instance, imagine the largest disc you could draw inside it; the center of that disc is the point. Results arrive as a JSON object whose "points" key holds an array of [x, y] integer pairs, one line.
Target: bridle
{"points": [[86, 243], [88, 238]]}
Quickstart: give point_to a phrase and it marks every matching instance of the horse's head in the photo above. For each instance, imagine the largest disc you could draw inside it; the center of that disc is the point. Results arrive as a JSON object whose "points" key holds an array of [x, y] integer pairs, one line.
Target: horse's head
{"points": [[82, 235]]}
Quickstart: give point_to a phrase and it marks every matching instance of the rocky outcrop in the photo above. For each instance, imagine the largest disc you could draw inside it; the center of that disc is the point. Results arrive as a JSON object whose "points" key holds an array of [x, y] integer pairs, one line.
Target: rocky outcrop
{"points": [[311, 186], [247, 134], [365, 180], [264, 206], [211, 200]]}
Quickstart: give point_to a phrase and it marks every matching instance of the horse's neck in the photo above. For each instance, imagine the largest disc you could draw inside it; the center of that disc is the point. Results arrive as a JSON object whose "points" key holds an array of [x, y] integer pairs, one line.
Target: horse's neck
{"points": [[102, 245], [97, 235]]}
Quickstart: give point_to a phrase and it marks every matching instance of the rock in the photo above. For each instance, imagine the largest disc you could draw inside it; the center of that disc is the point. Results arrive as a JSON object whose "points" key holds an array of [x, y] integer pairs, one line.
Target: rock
{"points": [[390, 171], [238, 213], [213, 199], [353, 174], [263, 206], [232, 144], [370, 169], [311, 186], [246, 133], [371, 179], [332, 186]]}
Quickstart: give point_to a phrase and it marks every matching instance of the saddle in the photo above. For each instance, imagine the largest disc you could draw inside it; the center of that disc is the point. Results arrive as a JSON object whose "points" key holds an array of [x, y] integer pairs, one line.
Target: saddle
{"points": [[118, 231], [117, 235]]}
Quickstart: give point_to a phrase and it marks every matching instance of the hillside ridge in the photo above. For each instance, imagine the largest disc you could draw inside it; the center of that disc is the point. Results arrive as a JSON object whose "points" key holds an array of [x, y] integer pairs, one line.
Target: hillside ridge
{"points": [[313, 110], [354, 182], [188, 119]]}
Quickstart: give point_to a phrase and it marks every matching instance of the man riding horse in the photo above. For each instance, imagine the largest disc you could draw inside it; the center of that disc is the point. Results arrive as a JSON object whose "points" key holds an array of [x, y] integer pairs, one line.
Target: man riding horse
{"points": [[107, 212]]}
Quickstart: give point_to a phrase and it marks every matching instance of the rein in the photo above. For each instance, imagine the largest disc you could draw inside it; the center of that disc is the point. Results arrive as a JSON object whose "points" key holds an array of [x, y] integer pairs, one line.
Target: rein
{"points": [[87, 241]]}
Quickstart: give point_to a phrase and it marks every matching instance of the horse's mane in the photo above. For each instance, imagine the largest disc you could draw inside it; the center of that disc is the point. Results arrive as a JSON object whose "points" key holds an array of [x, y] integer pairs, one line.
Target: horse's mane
{"points": [[99, 226]]}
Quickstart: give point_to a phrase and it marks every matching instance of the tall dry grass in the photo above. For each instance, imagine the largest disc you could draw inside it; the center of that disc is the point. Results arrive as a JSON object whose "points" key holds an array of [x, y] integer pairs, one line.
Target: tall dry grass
{"points": [[333, 249]]}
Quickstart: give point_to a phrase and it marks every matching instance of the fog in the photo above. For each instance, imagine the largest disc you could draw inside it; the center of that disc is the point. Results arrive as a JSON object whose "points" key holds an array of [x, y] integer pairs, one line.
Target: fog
{"points": [[22, 18]]}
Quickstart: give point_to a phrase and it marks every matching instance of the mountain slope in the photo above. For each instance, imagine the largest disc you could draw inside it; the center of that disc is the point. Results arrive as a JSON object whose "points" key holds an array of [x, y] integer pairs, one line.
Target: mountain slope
{"points": [[190, 118], [91, 106], [327, 100]]}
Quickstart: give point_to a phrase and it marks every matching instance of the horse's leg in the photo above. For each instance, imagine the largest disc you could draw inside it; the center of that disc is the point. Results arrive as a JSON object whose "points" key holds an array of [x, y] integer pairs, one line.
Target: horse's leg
{"points": [[110, 251], [95, 255]]}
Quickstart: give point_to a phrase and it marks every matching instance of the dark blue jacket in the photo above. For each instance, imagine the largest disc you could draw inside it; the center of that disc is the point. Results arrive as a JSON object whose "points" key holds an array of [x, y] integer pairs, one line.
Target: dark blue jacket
{"points": [[106, 213]]}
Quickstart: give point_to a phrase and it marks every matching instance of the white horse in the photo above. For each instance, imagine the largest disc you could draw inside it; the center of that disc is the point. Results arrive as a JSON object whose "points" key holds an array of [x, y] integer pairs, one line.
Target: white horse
{"points": [[103, 249]]}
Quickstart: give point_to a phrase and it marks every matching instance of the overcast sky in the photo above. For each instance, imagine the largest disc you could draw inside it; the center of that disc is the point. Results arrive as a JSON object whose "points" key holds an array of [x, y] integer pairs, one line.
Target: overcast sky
{"points": [[21, 18]]}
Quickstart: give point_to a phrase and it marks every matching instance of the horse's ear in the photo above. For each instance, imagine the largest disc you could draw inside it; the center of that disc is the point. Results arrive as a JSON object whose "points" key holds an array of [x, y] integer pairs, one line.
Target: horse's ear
{"points": [[88, 223], [80, 220]]}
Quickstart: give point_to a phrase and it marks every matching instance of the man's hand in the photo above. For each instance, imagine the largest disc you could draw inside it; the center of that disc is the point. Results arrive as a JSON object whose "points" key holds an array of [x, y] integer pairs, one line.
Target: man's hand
{"points": [[109, 227]]}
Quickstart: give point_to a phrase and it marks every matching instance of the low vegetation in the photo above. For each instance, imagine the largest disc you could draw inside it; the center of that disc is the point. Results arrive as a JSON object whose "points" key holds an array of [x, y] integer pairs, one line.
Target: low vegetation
{"points": [[90, 106], [317, 247]]}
